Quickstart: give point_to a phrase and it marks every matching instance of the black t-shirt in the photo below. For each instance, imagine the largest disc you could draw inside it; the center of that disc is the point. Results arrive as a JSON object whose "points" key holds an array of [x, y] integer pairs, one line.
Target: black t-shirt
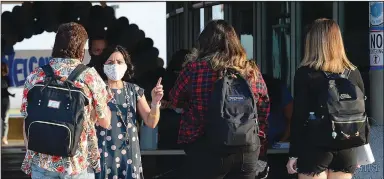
{"points": [[301, 104], [4, 87]]}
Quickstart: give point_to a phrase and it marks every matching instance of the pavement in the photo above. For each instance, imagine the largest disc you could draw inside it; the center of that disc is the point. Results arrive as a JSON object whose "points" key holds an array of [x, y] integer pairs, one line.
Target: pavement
{"points": [[375, 170], [372, 171]]}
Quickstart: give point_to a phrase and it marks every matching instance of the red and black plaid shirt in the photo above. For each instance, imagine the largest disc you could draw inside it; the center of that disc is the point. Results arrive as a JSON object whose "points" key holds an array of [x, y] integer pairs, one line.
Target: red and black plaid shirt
{"points": [[191, 92]]}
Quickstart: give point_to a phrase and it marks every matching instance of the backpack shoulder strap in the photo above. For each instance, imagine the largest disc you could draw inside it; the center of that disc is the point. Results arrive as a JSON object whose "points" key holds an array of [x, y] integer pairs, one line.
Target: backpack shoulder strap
{"points": [[48, 70], [327, 74], [346, 73], [76, 72]]}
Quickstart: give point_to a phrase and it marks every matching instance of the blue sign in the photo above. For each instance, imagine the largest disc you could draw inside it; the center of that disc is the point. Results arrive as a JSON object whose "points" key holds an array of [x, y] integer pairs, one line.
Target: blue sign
{"points": [[20, 68], [376, 11]]}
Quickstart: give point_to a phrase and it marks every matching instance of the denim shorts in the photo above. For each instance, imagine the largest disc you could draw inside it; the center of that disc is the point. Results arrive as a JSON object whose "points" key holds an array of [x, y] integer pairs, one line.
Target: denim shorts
{"points": [[40, 173]]}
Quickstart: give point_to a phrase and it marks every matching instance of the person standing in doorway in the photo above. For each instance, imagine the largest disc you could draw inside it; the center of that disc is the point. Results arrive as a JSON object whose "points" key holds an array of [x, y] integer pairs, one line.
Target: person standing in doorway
{"points": [[5, 102], [96, 47]]}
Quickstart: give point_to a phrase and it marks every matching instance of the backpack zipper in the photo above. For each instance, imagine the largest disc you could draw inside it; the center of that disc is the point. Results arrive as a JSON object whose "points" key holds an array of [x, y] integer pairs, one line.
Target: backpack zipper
{"points": [[50, 123], [334, 133], [64, 89], [348, 122]]}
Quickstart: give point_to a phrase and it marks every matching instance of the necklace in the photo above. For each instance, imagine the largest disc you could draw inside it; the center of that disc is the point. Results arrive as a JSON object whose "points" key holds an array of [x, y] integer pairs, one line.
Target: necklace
{"points": [[127, 105], [125, 122]]}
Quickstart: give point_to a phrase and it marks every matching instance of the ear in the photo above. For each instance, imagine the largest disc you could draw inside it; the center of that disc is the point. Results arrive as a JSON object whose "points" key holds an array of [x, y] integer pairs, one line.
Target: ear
{"points": [[82, 56]]}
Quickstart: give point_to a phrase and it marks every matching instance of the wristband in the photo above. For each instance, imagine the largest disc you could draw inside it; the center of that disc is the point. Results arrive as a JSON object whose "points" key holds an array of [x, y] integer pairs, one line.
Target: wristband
{"points": [[292, 158], [155, 105]]}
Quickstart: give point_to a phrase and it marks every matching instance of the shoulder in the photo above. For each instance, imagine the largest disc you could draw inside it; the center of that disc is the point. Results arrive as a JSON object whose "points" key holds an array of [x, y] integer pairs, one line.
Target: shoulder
{"points": [[199, 64], [89, 73], [36, 73], [90, 70], [355, 72], [355, 75], [135, 89], [91, 78], [303, 70], [303, 73], [133, 86]]}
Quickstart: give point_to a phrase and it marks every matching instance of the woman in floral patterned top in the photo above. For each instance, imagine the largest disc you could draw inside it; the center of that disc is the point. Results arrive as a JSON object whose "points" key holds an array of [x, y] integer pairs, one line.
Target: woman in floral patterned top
{"points": [[119, 144], [67, 54]]}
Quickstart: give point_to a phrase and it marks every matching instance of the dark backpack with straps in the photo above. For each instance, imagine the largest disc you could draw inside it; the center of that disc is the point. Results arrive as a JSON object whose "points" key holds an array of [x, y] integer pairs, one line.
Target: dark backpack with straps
{"points": [[231, 117], [56, 114], [340, 112]]}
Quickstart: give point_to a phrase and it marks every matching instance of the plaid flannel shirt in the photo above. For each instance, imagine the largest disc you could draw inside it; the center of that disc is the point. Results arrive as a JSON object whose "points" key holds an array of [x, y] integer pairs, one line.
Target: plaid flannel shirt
{"points": [[191, 92]]}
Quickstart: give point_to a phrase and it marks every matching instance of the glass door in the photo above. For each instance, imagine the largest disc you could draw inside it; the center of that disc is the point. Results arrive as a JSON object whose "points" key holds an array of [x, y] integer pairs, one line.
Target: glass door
{"points": [[278, 38]]}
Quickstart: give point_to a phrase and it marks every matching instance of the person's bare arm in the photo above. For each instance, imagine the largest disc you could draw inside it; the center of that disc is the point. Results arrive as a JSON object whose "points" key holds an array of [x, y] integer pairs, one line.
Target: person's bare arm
{"points": [[149, 115]]}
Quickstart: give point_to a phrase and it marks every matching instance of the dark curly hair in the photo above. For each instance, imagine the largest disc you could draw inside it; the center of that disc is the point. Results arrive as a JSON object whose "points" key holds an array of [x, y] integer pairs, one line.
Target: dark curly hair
{"points": [[70, 41], [129, 73]]}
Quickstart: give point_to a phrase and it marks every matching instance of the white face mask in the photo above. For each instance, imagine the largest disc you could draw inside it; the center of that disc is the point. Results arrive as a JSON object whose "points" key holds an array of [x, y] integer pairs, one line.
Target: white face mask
{"points": [[115, 72]]}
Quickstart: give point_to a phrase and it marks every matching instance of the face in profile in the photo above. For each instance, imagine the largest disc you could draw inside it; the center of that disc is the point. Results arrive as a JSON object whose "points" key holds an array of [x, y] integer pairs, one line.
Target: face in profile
{"points": [[115, 67], [98, 46]]}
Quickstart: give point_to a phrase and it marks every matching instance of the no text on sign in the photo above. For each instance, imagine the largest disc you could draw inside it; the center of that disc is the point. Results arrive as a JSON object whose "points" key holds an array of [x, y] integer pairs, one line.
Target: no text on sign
{"points": [[376, 48], [376, 13]]}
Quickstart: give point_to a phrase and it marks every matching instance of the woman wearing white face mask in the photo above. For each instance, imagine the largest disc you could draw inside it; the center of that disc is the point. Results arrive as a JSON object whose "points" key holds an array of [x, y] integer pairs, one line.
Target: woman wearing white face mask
{"points": [[119, 144]]}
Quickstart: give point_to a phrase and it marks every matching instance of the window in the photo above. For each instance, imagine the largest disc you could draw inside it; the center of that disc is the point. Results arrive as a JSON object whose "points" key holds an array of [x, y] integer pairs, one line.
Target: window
{"points": [[247, 42], [202, 23], [243, 24], [218, 12], [278, 39]]}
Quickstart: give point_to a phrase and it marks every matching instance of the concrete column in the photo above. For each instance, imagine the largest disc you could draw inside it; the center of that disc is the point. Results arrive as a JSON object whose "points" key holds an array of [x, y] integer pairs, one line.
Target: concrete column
{"points": [[376, 35]]}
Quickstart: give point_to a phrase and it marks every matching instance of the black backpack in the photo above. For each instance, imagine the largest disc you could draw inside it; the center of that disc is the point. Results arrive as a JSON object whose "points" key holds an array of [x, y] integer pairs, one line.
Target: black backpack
{"points": [[55, 114], [341, 105], [231, 117]]}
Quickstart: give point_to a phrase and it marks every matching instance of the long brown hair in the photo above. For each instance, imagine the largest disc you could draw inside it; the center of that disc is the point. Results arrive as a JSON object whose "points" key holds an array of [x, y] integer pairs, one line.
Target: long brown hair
{"points": [[219, 44], [324, 48]]}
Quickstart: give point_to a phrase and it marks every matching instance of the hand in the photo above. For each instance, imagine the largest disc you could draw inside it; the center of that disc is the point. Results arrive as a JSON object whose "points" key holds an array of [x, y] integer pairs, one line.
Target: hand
{"points": [[291, 166], [157, 92], [262, 169], [13, 95]]}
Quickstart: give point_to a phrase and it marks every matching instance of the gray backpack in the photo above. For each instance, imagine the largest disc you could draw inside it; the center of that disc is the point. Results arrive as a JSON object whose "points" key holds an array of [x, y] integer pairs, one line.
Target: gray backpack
{"points": [[231, 117]]}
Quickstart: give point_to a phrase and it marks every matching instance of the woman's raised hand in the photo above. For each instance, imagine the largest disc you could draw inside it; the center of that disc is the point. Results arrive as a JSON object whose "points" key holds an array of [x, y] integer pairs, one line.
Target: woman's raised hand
{"points": [[157, 92]]}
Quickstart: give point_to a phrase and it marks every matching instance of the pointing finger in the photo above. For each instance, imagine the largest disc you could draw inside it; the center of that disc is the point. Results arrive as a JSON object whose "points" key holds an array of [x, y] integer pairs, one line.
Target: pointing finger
{"points": [[159, 82]]}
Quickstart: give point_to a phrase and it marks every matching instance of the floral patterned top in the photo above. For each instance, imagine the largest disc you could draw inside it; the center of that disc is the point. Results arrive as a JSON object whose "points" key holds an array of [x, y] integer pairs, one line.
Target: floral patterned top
{"points": [[87, 154]]}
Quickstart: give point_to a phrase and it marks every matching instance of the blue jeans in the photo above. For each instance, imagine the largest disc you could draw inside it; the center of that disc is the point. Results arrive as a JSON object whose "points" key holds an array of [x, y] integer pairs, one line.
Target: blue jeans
{"points": [[40, 173]]}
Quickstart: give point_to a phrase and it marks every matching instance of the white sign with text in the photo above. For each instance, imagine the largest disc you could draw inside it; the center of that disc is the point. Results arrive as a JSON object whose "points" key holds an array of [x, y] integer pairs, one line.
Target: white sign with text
{"points": [[376, 48]]}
